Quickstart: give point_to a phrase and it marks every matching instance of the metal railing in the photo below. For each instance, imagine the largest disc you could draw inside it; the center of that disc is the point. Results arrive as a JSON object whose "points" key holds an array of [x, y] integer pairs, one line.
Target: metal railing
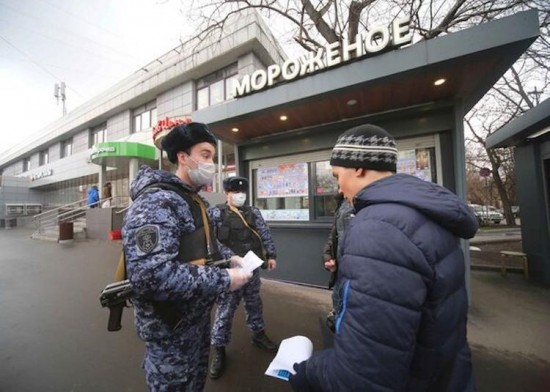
{"points": [[71, 212]]}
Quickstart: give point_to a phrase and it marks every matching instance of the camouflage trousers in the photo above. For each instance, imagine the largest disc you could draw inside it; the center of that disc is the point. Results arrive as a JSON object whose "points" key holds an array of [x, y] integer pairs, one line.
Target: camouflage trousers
{"points": [[178, 364], [227, 304]]}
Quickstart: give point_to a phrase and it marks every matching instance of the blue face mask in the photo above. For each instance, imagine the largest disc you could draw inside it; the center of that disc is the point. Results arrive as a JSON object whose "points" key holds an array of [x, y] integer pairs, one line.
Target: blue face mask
{"points": [[202, 174]]}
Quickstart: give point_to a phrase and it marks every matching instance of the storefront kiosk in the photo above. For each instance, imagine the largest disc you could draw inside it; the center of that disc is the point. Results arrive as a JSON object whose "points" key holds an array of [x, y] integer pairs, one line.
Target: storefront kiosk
{"points": [[285, 121], [530, 137]]}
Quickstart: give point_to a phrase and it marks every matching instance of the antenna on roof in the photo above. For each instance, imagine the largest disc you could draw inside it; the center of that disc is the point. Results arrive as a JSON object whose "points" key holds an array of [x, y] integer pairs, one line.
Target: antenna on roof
{"points": [[59, 92]]}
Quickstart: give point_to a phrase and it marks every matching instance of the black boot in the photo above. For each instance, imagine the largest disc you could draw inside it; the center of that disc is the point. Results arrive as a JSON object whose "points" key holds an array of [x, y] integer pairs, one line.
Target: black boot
{"points": [[218, 363], [261, 340]]}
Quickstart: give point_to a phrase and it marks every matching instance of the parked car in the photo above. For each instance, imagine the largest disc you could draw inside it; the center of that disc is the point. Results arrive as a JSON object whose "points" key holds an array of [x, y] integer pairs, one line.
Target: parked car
{"points": [[487, 214], [515, 211]]}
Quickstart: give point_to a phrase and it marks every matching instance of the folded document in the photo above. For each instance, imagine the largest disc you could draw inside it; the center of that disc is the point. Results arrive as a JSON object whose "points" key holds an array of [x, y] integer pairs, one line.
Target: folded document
{"points": [[292, 350]]}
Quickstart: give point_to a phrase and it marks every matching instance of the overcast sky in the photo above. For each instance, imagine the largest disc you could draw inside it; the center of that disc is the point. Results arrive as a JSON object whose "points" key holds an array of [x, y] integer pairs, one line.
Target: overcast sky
{"points": [[88, 44]]}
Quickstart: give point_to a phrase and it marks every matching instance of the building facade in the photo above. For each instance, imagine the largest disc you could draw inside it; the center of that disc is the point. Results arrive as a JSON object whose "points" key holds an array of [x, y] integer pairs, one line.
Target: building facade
{"points": [[279, 117]]}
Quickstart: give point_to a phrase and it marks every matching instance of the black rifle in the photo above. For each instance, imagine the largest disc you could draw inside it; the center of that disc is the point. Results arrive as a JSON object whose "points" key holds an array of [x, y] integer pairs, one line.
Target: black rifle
{"points": [[116, 296], [223, 263]]}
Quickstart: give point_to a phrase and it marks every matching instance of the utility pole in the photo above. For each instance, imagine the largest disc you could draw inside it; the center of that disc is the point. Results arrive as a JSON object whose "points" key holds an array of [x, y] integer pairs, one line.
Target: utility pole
{"points": [[536, 93], [485, 172], [59, 92]]}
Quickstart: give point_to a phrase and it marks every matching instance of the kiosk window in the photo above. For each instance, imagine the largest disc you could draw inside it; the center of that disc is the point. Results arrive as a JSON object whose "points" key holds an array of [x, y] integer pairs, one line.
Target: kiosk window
{"points": [[306, 191], [325, 188], [419, 162], [281, 192]]}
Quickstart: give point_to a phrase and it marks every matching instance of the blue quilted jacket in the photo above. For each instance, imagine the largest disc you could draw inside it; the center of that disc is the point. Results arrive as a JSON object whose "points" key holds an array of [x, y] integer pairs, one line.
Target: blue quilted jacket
{"points": [[402, 326]]}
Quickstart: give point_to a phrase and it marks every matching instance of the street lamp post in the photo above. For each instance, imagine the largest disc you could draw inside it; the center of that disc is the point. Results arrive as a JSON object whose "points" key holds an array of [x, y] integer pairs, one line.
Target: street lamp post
{"points": [[485, 172]]}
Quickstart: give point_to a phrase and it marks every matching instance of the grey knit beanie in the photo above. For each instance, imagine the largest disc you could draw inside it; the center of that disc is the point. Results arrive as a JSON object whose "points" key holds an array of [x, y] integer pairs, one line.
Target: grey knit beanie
{"points": [[367, 147]]}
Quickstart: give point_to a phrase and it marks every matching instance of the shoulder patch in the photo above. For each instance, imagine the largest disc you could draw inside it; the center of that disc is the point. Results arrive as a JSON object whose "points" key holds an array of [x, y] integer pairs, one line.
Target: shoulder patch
{"points": [[147, 238]]}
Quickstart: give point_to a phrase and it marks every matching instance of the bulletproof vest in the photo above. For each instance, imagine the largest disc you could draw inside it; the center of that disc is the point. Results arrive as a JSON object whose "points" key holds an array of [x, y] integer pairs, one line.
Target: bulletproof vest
{"points": [[193, 246], [234, 234]]}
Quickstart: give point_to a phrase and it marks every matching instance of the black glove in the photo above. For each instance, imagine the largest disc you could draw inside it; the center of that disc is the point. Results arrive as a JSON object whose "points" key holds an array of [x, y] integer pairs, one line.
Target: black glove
{"points": [[298, 381]]}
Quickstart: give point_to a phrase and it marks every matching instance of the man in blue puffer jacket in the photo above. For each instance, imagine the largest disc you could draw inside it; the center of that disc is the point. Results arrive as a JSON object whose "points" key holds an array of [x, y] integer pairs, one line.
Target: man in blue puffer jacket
{"points": [[402, 323]]}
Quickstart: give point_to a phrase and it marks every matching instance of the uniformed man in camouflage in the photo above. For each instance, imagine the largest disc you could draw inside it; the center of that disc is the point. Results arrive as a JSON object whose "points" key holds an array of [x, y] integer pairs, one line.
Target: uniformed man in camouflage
{"points": [[241, 228], [168, 246]]}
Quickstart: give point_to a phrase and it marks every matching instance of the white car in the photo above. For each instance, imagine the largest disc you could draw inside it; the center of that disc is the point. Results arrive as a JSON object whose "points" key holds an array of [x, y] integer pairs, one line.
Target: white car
{"points": [[487, 214]]}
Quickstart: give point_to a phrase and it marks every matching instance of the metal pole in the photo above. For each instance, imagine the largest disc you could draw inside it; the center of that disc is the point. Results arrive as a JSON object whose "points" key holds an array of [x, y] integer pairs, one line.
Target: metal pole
{"points": [[220, 166], [486, 207]]}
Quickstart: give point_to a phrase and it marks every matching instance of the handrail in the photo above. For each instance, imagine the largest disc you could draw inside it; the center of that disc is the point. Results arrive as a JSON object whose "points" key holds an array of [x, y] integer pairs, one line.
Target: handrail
{"points": [[74, 211], [51, 217], [39, 216]]}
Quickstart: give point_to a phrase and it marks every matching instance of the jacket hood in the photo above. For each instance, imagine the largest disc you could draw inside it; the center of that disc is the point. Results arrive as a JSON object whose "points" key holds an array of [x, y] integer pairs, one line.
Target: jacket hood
{"points": [[436, 202], [147, 176]]}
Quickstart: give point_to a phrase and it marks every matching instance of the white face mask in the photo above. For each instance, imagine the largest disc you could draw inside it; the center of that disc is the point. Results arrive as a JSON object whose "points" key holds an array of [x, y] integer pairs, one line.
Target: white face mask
{"points": [[203, 174], [238, 199]]}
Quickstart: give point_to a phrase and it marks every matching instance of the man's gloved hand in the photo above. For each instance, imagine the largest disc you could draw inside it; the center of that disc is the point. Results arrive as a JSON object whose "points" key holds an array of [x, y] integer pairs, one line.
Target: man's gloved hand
{"points": [[236, 261], [298, 381], [238, 278]]}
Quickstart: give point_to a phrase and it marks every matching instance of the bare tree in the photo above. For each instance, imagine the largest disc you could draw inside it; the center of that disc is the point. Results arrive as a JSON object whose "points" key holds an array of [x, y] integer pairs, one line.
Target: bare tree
{"points": [[307, 25], [519, 90]]}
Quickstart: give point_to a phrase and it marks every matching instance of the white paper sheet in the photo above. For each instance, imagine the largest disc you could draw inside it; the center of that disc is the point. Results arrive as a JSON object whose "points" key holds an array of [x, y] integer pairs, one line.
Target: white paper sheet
{"points": [[251, 261], [292, 350]]}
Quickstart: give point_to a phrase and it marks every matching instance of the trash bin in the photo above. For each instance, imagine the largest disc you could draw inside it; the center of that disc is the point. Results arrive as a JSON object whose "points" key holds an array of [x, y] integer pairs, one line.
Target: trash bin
{"points": [[66, 231], [11, 223]]}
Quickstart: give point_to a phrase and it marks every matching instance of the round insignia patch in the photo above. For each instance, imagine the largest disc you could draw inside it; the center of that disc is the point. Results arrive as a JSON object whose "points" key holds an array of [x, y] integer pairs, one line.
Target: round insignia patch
{"points": [[147, 238]]}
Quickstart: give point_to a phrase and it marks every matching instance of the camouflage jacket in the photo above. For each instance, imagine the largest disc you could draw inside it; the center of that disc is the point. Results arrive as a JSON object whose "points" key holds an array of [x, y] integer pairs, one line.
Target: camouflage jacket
{"points": [[152, 229]]}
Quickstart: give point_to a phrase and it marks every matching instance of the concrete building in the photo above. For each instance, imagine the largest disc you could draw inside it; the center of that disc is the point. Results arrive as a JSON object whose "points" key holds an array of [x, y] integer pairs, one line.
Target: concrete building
{"points": [[279, 123]]}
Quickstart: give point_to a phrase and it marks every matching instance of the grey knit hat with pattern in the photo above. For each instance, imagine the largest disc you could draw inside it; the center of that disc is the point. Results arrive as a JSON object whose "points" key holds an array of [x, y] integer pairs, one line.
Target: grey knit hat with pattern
{"points": [[366, 147]]}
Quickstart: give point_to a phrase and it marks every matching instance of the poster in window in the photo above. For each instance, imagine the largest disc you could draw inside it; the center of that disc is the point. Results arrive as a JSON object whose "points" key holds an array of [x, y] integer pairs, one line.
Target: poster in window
{"points": [[416, 163], [423, 170], [283, 180], [406, 162]]}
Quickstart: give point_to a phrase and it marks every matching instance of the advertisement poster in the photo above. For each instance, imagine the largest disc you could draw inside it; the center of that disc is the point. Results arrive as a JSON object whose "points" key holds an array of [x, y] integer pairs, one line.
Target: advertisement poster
{"points": [[423, 170], [284, 180], [406, 162], [416, 163]]}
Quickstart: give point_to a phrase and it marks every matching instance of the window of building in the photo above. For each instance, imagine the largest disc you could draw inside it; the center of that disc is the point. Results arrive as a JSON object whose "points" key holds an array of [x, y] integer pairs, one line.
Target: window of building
{"points": [[98, 135], [216, 87], [144, 117], [26, 164], [283, 192], [43, 157], [302, 188], [419, 162], [325, 188], [66, 148]]}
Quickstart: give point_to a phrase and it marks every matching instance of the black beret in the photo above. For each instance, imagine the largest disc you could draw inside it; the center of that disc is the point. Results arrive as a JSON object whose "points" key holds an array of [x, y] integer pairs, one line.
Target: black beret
{"points": [[185, 136], [235, 184]]}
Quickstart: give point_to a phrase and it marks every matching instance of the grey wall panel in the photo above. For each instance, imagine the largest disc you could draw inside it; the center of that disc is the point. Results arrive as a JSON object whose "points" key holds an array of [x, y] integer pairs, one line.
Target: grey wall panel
{"points": [[81, 141], [299, 255], [534, 214], [118, 126], [448, 160]]}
